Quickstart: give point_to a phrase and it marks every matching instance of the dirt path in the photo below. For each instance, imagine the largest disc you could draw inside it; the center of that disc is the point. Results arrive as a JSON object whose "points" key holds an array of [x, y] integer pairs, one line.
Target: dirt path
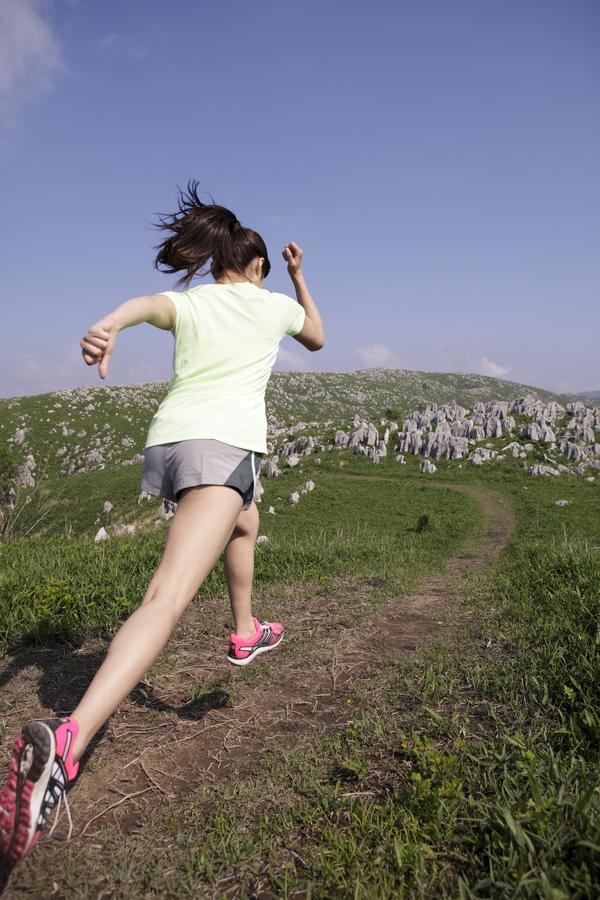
{"points": [[155, 749]]}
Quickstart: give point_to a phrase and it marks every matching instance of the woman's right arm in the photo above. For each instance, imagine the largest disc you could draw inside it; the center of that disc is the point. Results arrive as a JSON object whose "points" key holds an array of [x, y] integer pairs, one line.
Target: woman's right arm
{"points": [[98, 343], [312, 335]]}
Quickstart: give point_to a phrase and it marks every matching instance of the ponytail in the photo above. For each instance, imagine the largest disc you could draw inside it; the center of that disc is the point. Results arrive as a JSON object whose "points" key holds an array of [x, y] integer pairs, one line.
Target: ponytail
{"points": [[205, 231]]}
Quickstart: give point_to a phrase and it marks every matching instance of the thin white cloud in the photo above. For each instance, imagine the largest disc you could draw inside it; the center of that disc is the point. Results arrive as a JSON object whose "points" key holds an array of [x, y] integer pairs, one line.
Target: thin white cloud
{"points": [[376, 356], [494, 369], [287, 361], [30, 56]]}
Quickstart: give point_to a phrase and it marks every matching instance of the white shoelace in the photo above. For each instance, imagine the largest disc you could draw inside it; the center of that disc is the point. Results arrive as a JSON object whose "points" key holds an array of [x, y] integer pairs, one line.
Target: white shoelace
{"points": [[56, 816]]}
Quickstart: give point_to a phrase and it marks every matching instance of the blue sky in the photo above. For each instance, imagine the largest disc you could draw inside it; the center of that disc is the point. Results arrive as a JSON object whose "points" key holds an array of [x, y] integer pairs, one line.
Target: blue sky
{"points": [[438, 162]]}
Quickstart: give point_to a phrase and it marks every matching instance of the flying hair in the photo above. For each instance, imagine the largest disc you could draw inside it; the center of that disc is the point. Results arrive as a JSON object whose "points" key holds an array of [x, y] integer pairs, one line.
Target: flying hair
{"points": [[206, 237]]}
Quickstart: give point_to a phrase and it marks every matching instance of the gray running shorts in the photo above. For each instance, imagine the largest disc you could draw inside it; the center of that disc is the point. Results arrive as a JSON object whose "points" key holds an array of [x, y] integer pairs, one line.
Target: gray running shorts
{"points": [[169, 468]]}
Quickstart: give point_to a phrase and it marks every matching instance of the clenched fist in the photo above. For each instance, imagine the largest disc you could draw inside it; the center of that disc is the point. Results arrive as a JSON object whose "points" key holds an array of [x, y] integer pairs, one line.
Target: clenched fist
{"points": [[98, 344], [292, 254]]}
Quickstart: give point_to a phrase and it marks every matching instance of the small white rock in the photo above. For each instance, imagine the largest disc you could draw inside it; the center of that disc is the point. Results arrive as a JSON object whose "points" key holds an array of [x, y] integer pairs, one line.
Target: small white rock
{"points": [[262, 539], [271, 511], [125, 529], [167, 510], [561, 502], [101, 535], [108, 507], [294, 497]]}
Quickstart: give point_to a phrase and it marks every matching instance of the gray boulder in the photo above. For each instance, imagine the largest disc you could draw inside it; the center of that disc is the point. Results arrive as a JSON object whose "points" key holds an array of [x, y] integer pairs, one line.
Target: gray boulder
{"points": [[540, 470]]}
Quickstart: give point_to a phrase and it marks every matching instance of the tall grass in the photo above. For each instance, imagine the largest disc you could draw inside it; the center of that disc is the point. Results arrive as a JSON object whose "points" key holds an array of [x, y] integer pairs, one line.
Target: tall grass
{"points": [[67, 588], [475, 773]]}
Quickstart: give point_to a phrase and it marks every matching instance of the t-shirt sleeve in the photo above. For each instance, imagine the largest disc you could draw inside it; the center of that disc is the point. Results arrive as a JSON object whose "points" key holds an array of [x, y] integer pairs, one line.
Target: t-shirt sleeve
{"points": [[290, 315], [176, 297]]}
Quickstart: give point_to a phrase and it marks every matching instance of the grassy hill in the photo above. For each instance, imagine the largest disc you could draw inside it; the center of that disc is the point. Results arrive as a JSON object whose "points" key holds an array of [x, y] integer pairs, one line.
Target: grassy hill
{"points": [[589, 395], [464, 766], [325, 395], [87, 442], [111, 421]]}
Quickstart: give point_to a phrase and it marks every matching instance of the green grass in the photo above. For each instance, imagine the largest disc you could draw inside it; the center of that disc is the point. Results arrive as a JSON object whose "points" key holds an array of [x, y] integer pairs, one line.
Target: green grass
{"points": [[473, 770], [540, 519], [68, 588], [474, 773]]}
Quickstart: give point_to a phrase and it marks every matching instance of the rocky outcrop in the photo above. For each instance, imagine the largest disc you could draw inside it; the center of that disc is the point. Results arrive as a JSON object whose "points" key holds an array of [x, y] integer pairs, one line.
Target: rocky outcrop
{"points": [[25, 471], [539, 469]]}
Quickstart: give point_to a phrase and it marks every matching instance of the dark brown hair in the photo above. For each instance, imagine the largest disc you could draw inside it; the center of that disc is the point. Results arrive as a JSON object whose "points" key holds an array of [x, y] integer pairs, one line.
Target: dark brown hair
{"points": [[203, 232]]}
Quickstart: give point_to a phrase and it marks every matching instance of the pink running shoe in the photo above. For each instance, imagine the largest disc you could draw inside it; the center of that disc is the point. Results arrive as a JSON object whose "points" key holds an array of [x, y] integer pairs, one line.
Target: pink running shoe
{"points": [[41, 768], [243, 650]]}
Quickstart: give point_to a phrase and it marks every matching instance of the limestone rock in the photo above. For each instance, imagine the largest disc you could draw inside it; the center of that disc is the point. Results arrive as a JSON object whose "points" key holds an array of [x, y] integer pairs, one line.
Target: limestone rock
{"points": [[94, 457], [24, 472], [121, 529], [480, 455], [138, 458], [167, 510], [538, 469], [271, 469], [514, 447]]}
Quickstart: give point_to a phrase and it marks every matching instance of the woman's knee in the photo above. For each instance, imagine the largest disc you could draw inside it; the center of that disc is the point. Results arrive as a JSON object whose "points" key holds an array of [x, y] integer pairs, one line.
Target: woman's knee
{"points": [[167, 596], [247, 523]]}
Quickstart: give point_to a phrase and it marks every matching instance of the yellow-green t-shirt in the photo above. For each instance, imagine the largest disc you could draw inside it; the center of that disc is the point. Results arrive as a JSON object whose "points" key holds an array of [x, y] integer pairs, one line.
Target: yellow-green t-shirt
{"points": [[227, 338]]}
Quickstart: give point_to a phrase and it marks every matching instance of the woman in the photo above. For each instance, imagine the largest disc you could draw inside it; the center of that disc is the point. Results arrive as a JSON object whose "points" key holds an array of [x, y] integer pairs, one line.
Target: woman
{"points": [[203, 450]]}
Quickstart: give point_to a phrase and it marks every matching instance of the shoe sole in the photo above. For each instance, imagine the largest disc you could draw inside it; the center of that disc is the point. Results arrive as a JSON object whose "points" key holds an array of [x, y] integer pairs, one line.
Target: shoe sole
{"points": [[248, 659], [21, 800]]}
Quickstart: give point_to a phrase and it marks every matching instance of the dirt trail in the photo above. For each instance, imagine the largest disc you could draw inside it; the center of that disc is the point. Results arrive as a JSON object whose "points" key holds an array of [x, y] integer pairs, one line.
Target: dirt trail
{"points": [[155, 749]]}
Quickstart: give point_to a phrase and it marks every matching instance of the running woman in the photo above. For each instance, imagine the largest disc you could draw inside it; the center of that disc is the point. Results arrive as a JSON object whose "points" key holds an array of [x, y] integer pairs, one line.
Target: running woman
{"points": [[203, 451]]}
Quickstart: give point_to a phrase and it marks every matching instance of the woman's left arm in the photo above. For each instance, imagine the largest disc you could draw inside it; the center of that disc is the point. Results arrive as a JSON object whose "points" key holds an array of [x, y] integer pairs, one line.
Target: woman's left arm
{"points": [[98, 343]]}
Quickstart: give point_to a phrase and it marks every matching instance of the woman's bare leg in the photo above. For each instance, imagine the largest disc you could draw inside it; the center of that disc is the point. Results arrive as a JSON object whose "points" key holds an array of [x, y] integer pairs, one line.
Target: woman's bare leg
{"points": [[238, 557], [201, 527]]}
